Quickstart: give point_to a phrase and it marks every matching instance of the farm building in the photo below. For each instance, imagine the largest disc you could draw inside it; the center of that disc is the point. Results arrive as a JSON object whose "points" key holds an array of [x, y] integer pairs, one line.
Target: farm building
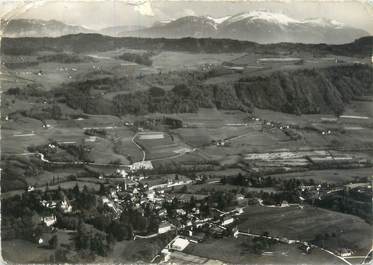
{"points": [[141, 165], [227, 220], [164, 227], [179, 244], [49, 220]]}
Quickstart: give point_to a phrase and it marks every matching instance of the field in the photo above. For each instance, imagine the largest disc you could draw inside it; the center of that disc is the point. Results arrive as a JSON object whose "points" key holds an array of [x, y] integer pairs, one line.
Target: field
{"points": [[305, 224], [161, 145], [235, 251], [330, 176], [171, 61], [30, 253], [197, 188]]}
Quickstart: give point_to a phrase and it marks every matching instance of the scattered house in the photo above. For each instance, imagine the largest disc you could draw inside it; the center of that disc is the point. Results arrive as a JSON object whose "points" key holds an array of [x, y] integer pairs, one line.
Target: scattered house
{"points": [[49, 220], [240, 197], [344, 252], [179, 244], [180, 211], [220, 143], [90, 139], [147, 165], [235, 232], [284, 204], [164, 227], [66, 207], [122, 173], [40, 241], [239, 211], [30, 188], [284, 240], [162, 212], [185, 198], [105, 200], [227, 220], [195, 210], [150, 195], [47, 204]]}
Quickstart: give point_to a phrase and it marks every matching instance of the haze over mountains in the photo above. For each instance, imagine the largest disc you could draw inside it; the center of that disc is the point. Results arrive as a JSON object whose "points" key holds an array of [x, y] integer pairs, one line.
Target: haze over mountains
{"points": [[257, 26], [39, 28]]}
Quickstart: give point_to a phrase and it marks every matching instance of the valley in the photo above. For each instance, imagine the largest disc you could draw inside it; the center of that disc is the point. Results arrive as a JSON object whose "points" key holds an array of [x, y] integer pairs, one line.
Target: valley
{"points": [[138, 145]]}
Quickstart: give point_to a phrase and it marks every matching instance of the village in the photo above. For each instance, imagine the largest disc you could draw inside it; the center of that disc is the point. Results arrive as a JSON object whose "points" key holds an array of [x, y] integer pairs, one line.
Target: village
{"points": [[153, 210]]}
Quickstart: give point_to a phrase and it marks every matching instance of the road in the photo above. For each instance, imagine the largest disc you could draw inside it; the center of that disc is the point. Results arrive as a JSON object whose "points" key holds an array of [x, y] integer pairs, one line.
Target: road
{"points": [[42, 158], [139, 147]]}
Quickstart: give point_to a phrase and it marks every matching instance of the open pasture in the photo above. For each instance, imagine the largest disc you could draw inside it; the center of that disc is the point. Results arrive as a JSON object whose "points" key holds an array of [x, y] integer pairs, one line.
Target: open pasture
{"points": [[304, 224], [240, 251], [20, 251], [171, 61], [159, 145], [336, 176]]}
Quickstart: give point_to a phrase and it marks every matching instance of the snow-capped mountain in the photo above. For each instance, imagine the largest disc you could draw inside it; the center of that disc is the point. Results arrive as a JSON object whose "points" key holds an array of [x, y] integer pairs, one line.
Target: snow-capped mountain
{"points": [[258, 26], [39, 28]]}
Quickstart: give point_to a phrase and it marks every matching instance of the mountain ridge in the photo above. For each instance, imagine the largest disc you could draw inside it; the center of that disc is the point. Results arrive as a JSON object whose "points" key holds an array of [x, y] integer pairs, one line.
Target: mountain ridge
{"points": [[257, 26]]}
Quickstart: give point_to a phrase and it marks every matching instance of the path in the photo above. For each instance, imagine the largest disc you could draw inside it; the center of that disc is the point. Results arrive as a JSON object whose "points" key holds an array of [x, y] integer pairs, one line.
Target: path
{"points": [[42, 158], [139, 147]]}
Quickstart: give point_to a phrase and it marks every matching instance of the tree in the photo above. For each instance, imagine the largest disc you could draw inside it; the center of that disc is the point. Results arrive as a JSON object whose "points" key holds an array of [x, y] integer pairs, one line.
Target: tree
{"points": [[53, 242]]}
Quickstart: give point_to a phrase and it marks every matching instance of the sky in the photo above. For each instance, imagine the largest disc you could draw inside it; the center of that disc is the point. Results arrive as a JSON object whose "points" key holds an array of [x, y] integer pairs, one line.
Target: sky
{"points": [[100, 14]]}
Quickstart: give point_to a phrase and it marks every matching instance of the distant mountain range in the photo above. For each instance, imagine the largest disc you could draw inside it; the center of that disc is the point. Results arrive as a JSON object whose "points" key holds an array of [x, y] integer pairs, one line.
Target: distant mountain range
{"points": [[257, 26], [39, 28]]}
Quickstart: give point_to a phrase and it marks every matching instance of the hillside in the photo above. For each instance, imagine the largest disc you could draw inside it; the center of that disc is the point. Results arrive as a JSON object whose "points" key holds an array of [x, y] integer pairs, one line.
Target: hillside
{"points": [[94, 42], [39, 28], [306, 91]]}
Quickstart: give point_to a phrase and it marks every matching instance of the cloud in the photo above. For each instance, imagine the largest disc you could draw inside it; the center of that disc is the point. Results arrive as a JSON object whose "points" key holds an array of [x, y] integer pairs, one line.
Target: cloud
{"points": [[144, 8], [189, 12]]}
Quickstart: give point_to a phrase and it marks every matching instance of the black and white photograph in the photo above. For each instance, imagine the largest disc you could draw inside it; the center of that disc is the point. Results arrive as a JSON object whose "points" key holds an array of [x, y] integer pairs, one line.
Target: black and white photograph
{"points": [[186, 132]]}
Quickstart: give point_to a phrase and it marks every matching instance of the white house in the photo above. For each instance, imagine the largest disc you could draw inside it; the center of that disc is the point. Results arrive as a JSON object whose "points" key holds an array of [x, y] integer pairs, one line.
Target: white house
{"points": [[345, 252], [122, 172], [227, 220], [66, 207], [180, 211], [164, 227], [141, 165], [150, 194], [162, 212], [49, 220], [239, 210], [47, 204], [180, 244]]}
